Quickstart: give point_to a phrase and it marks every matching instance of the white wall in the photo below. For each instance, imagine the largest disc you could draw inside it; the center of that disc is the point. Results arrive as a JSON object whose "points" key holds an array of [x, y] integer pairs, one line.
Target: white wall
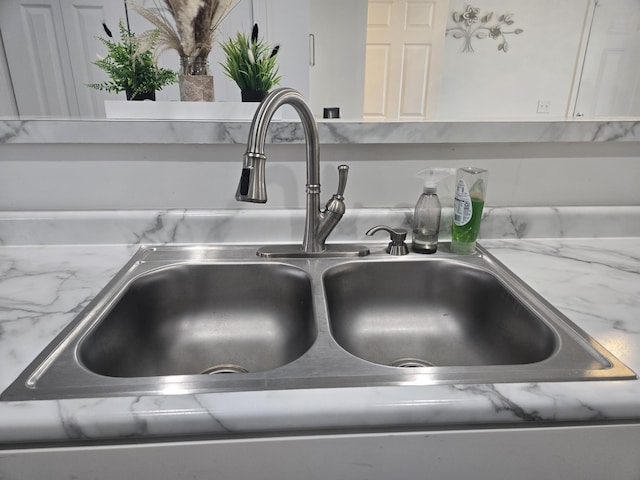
{"points": [[144, 176], [539, 65]]}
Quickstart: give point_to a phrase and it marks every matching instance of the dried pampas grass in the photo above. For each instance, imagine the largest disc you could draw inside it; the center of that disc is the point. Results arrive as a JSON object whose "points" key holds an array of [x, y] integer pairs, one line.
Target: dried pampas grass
{"points": [[187, 26]]}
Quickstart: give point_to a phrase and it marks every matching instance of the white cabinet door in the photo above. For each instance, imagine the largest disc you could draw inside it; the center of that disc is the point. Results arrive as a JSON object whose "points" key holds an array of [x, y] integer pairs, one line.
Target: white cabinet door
{"points": [[337, 49], [286, 23]]}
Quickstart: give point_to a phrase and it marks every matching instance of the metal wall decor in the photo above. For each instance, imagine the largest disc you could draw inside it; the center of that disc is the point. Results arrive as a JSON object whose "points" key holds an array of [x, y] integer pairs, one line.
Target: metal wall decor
{"points": [[470, 24]]}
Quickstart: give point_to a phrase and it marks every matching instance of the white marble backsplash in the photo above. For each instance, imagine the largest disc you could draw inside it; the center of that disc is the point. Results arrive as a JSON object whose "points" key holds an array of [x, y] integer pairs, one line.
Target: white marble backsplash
{"points": [[331, 132], [561, 222], [278, 226]]}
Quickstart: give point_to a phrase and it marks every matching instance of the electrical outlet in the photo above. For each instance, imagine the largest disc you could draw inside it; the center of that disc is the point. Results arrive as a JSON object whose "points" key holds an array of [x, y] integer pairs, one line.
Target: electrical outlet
{"points": [[544, 106]]}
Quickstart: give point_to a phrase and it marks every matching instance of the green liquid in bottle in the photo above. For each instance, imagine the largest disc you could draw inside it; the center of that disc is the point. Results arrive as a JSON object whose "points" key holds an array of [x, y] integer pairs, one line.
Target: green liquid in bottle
{"points": [[468, 233]]}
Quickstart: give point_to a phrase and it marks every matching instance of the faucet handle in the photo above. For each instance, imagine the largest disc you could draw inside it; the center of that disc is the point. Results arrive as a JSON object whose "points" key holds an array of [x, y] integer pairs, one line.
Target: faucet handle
{"points": [[397, 245], [343, 172], [335, 205]]}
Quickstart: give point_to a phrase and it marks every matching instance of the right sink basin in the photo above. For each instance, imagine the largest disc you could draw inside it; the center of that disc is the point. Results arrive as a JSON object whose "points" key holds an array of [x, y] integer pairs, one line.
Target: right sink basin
{"points": [[436, 313]]}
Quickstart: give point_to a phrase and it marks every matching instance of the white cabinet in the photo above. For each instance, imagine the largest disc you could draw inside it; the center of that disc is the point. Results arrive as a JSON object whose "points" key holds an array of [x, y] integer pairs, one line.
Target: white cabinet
{"points": [[569, 453], [337, 51]]}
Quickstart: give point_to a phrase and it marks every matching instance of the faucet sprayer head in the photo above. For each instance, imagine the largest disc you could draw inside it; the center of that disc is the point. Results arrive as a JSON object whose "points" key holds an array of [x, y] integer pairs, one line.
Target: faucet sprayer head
{"points": [[252, 186]]}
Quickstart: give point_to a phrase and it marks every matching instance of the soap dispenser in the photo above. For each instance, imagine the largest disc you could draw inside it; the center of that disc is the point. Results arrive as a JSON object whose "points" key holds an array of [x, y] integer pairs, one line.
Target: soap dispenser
{"points": [[426, 217]]}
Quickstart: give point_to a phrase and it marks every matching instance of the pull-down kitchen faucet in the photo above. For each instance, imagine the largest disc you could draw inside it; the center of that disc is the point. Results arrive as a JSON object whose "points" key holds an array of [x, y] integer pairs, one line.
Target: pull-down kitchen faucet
{"points": [[252, 187]]}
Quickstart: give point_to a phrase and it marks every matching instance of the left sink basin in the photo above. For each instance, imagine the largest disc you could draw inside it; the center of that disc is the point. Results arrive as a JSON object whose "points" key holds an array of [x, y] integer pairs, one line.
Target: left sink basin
{"points": [[191, 319]]}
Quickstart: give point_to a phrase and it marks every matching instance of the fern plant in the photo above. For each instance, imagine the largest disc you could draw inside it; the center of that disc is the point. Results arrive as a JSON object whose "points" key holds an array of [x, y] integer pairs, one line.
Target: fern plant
{"points": [[131, 66], [250, 62]]}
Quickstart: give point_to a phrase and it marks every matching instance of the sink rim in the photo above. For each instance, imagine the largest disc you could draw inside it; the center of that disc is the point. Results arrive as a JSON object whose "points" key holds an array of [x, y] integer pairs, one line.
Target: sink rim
{"points": [[56, 372]]}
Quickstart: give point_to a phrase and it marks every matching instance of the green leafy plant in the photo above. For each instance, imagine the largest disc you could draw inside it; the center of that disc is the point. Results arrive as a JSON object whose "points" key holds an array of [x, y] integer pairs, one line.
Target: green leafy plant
{"points": [[130, 65], [251, 63]]}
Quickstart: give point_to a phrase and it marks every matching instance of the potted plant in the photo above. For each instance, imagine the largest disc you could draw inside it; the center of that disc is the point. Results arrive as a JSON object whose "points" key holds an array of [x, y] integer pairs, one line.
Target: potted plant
{"points": [[252, 64], [131, 67], [188, 27]]}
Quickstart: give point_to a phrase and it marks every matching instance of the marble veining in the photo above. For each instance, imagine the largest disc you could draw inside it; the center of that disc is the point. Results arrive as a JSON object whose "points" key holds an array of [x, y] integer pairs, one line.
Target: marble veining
{"points": [[285, 226], [499, 402], [331, 131], [611, 131], [11, 130], [594, 281]]}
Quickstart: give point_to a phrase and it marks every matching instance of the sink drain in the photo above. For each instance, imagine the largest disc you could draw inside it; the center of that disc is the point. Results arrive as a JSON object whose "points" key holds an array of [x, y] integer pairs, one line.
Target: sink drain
{"points": [[224, 368], [411, 363]]}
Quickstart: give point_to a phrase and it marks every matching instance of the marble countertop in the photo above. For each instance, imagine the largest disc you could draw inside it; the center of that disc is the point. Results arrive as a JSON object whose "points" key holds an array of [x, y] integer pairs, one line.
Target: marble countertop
{"points": [[594, 281], [35, 131]]}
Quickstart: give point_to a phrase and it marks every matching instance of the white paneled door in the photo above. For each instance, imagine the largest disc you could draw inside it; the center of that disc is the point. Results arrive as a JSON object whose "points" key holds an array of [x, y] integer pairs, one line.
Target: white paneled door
{"points": [[8, 106], [83, 23], [49, 46], [610, 83], [405, 40]]}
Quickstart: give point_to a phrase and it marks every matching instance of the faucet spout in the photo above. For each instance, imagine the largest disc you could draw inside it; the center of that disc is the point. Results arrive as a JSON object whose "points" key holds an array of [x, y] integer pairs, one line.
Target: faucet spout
{"points": [[252, 186]]}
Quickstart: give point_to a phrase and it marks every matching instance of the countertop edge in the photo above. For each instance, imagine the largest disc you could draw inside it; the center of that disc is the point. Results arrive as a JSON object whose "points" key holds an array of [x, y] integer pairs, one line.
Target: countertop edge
{"points": [[70, 131]]}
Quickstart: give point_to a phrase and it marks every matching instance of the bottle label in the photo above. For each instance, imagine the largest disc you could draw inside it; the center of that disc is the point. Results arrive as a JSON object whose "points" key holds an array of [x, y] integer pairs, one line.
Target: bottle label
{"points": [[462, 208]]}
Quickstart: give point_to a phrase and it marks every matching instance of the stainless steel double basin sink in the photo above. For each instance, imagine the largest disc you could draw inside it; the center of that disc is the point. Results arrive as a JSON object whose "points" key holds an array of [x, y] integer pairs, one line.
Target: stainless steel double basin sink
{"points": [[186, 319]]}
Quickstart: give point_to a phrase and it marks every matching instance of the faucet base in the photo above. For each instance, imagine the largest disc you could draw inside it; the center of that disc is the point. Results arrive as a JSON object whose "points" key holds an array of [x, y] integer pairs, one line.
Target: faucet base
{"points": [[296, 251]]}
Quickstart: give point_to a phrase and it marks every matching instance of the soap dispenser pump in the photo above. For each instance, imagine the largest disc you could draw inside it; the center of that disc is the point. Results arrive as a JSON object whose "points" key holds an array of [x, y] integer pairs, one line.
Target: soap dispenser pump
{"points": [[426, 217]]}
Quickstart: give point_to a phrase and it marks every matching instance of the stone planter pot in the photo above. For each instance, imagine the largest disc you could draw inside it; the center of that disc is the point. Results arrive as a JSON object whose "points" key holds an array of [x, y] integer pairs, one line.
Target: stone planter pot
{"points": [[195, 81]]}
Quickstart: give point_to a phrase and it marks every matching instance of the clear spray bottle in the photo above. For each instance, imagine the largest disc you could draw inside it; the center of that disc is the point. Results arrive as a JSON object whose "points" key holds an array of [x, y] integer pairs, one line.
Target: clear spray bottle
{"points": [[426, 216]]}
